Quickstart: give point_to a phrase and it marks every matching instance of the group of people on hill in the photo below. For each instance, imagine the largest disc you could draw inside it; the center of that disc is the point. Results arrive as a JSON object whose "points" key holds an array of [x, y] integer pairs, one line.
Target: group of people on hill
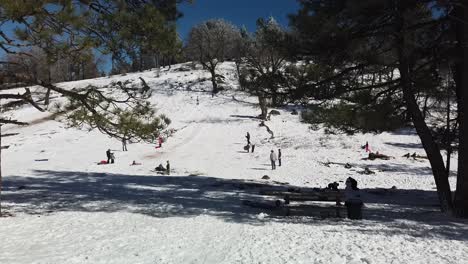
{"points": [[273, 156], [111, 157]]}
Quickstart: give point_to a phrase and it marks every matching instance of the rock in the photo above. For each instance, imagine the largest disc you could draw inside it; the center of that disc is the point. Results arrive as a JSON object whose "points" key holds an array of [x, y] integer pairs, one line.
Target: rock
{"points": [[265, 177], [275, 112]]}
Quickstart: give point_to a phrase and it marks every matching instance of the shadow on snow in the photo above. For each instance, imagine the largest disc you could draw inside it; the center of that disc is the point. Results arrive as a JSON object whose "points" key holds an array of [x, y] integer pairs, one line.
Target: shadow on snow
{"points": [[188, 196]]}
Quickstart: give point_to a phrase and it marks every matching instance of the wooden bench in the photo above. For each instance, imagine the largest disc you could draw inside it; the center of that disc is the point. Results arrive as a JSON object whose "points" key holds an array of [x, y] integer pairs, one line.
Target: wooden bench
{"points": [[312, 202]]}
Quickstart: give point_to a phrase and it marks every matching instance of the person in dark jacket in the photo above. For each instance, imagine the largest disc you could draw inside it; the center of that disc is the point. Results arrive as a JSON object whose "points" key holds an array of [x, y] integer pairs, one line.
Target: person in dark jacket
{"points": [[248, 138], [168, 168], [110, 156], [279, 157]]}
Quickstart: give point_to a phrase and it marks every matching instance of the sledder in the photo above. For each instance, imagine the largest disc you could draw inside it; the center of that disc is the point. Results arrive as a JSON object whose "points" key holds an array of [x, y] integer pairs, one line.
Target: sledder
{"points": [[110, 158]]}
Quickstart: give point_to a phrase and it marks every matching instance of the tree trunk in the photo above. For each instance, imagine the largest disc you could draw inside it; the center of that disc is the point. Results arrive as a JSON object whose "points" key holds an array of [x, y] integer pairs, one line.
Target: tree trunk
{"points": [[461, 77], [213, 80], [263, 107], [238, 64], [274, 97], [428, 142]]}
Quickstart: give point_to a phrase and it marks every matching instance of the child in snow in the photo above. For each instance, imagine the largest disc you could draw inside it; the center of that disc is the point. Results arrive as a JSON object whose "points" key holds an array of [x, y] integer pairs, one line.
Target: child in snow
{"points": [[273, 159], [247, 147], [112, 157], [366, 147], [160, 141]]}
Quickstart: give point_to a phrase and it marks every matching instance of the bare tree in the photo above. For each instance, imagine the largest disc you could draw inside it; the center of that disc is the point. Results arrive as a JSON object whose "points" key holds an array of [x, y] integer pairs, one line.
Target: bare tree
{"points": [[210, 43], [266, 55]]}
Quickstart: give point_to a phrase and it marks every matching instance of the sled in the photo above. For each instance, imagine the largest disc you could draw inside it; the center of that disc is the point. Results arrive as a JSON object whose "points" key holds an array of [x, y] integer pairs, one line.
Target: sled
{"points": [[41, 160]]}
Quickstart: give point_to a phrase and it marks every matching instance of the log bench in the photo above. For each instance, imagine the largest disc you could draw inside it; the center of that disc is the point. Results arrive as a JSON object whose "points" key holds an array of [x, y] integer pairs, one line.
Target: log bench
{"points": [[312, 202]]}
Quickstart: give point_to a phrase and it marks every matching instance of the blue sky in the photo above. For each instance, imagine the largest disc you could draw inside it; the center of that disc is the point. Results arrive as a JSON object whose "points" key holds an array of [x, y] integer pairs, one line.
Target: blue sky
{"points": [[239, 12]]}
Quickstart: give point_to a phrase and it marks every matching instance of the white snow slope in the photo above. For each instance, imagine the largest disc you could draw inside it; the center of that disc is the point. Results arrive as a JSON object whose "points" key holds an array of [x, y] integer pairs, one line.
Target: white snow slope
{"points": [[67, 209]]}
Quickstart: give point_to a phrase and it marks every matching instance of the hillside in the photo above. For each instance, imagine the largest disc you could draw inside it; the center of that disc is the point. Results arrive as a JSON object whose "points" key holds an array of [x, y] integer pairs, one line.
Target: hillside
{"points": [[68, 209]]}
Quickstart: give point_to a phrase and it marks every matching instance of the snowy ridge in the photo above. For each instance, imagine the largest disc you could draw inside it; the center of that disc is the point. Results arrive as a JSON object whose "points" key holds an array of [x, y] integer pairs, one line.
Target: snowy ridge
{"points": [[67, 209]]}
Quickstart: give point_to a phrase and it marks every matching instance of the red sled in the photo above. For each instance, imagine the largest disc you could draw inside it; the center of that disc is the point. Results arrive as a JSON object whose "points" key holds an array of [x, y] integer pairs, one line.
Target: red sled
{"points": [[102, 162]]}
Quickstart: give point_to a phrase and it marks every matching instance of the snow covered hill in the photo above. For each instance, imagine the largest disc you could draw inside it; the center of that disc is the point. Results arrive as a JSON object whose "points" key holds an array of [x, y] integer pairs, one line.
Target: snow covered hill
{"points": [[68, 209]]}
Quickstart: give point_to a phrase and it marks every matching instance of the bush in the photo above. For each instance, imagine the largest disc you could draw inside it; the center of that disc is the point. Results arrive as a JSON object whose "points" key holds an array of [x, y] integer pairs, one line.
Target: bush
{"points": [[351, 118]]}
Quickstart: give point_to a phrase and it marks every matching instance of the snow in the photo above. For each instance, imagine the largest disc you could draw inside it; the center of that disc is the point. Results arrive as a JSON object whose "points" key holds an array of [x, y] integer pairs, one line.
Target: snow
{"points": [[68, 209]]}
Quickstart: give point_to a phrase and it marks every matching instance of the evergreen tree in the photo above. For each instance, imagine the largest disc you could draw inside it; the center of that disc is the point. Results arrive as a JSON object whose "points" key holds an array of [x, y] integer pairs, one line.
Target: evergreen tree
{"points": [[393, 50]]}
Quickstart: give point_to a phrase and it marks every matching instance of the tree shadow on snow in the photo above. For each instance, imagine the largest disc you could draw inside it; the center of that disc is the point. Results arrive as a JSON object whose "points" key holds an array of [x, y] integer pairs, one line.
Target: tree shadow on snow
{"points": [[188, 196]]}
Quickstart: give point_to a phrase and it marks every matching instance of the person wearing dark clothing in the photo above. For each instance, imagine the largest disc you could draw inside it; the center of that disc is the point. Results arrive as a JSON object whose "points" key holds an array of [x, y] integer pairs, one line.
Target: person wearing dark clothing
{"points": [[279, 157], [253, 148], [110, 156], [168, 168], [248, 138]]}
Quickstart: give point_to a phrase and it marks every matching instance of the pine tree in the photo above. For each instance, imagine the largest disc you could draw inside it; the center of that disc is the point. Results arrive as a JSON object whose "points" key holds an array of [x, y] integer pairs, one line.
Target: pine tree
{"points": [[366, 42]]}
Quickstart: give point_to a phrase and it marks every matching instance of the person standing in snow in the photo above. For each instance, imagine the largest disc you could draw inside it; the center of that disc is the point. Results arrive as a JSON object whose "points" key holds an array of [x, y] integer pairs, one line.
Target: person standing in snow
{"points": [[110, 156], [248, 138], [253, 148], [279, 157], [366, 147], [168, 168], [124, 144], [273, 159], [160, 140]]}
